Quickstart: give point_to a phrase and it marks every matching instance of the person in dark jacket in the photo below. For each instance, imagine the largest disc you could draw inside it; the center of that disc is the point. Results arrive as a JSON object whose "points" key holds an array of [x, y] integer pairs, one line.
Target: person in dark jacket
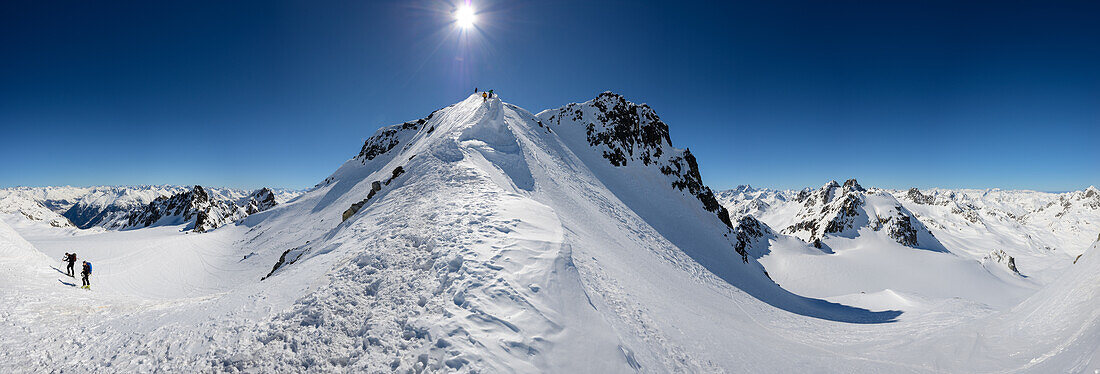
{"points": [[71, 259], [84, 273]]}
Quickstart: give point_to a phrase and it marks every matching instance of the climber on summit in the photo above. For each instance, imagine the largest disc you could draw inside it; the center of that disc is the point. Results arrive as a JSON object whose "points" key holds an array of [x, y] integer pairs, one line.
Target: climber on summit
{"points": [[484, 96], [490, 94]]}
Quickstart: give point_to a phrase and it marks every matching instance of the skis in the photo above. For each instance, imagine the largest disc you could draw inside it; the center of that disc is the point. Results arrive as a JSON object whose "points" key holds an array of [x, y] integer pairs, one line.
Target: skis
{"points": [[87, 287]]}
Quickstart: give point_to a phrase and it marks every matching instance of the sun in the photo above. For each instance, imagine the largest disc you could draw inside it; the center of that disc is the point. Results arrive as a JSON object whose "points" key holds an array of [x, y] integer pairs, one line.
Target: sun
{"points": [[465, 17]]}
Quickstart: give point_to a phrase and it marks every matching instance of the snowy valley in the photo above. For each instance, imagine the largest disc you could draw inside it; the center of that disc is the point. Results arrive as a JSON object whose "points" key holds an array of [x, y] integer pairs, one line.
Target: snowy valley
{"points": [[487, 238]]}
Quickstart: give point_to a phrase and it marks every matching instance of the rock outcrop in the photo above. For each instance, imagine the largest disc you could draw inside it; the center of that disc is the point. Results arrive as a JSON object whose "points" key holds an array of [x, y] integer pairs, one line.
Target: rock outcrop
{"points": [[999, 256], [374, 188], [751, 237], [916, 196], [260, 200], [685, 172], [390, 137]]}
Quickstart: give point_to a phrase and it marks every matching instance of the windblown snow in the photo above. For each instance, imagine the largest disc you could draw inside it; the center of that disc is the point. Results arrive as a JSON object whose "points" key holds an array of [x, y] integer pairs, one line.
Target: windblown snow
{"points": [[485, 238]]}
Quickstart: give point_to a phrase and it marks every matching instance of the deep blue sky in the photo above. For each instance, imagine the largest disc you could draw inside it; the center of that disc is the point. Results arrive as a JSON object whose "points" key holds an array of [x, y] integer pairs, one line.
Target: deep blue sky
{"points": [[769, 93]]}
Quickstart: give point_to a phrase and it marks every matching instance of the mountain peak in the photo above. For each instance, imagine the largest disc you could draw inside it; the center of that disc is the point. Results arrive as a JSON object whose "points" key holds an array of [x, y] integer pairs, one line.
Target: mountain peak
{"points": [[851, 184]]}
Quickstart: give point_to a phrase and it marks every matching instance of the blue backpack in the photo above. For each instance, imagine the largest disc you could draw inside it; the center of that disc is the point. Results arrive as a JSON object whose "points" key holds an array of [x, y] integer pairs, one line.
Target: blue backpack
{"points": [[89, 267]]}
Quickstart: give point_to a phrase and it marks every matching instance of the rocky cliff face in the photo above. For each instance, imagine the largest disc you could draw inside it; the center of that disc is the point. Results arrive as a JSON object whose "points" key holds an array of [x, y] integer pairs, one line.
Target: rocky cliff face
{"points": [[629, 131], [260, 200], [751, 237], [390, 137], [685, 173]]}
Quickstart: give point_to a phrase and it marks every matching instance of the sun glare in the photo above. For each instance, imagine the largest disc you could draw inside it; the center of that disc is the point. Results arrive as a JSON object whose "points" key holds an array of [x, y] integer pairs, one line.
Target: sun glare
{"points": [[465, 17]]}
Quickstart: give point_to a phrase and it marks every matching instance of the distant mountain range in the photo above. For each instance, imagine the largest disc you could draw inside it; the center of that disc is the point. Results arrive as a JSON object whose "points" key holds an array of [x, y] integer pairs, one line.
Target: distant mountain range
{"points": [[122, 207]]}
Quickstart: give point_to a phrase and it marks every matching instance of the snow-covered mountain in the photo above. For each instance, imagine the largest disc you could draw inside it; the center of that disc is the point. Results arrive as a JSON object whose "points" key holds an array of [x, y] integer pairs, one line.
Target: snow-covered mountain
{"points": [[109, 206], [844, 210], [1024, 232], [1036, 222], [26, 207], [484, 238], [198, 210]]}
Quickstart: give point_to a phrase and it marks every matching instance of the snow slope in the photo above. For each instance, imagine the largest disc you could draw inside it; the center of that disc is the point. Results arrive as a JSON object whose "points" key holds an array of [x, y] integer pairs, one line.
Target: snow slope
{"points": [[484, 238], [1061, 322]]}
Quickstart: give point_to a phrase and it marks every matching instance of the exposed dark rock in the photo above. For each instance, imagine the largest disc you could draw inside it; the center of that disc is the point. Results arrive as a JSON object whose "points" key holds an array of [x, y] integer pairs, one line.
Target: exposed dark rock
{"points": [[822, 196], [917, 197], [968, 211], [828, 210], [999, 256], [846, 213], [851, 184], [803, 195], [629, 131], [390, 137], [686, 170], [900, 228], [748, 232], [283, 260], [200, 221], [374, 188], [260, 200], [396, 173]]}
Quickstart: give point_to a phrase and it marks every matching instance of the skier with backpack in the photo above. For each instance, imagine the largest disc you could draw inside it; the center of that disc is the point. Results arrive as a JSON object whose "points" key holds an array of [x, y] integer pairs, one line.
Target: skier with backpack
{"points": [[84, 273], [71, 259]]}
